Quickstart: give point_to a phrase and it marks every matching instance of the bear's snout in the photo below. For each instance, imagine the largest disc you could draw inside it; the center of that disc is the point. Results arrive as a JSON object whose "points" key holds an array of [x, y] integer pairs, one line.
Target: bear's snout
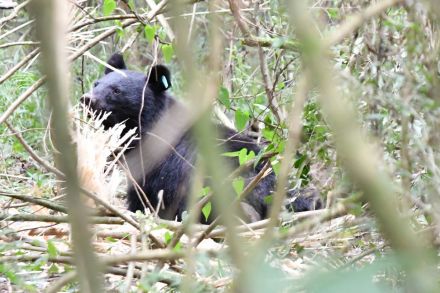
{"points": [[86, 99], [91, 102]]}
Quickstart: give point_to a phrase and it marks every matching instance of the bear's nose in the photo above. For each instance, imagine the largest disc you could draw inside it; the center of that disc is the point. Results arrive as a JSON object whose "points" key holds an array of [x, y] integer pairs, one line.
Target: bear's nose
{"points": [[86, 99]]}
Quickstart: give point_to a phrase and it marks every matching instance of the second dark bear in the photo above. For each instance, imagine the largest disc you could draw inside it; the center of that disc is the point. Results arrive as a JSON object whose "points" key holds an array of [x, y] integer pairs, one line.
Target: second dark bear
{"points": [[124, 93]]}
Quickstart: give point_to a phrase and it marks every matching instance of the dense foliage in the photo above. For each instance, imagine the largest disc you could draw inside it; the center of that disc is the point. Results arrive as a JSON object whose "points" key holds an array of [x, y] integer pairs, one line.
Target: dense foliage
{"points": [[386, 70]]}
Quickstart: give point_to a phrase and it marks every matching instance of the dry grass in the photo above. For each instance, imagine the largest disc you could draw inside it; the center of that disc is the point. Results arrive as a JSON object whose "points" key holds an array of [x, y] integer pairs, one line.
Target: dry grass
{"points": [[95, 145]]}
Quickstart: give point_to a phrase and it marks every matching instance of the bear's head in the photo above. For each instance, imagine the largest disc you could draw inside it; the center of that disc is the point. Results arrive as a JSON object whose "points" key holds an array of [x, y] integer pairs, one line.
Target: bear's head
{"points": [[129, 95]]}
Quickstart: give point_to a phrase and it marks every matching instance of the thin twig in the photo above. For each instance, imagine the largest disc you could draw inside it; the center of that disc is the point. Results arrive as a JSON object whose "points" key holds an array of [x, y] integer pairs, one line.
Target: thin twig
{"points": [[101, 19], [235, 9], [14, 13], [318, 218], [61, 282], [248, 189], [16, 28], [35, 200], [32, 153], [130, 270], [156, 254], [57, 219], [268, 86], [35, 256], [162, 21], [352, 23], [266, 42], [26, 94], [25, 43], [294, 136]]}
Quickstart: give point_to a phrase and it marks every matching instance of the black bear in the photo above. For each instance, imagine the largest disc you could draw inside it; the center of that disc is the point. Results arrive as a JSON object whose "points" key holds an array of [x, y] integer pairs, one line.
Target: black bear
{"points": [[140, 100]]}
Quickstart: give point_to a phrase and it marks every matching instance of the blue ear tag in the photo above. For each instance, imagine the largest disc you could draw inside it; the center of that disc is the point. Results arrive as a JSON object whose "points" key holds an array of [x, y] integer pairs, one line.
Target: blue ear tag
{"points": [[165, 82]]}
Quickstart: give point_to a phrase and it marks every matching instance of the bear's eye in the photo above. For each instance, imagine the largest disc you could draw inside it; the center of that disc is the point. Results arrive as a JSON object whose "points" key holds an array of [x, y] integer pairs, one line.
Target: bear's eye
{"points": [[116, 91], [95, 84]]}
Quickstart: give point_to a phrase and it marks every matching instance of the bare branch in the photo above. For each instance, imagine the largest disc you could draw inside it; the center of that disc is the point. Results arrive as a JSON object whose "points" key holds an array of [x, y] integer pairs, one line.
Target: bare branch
{"points": [[352, 23], [26, 94], [51, 24], [32, 199], [234, 5], [57, 219], [14, 13]]}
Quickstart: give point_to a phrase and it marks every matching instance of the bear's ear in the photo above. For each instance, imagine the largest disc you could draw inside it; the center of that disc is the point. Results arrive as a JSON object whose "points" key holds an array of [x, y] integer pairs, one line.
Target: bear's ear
{"points": [[160, 78], [117, 61]]}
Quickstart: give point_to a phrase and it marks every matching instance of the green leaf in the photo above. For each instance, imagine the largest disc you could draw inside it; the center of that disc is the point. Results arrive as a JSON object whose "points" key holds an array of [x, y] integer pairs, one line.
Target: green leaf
{"points": [[178, 247], [38, 264], [206, 210], [231, 154], [223, 97], [238, 185], [281, 146], [269, 134], [276, 166], [162, 34], [53, 269], [108, 6], [242, 156], [301, 159], [356, 209], [250, 156], [17, 147], [268, 199], [241, 118], [278, 42], [150, 33], [283, 230], [6, 271], [259, 157], [280, 86], [168, 236], [51, 249], [298, 248], [333, 13], [167, 51], [131, 4], [119, 28], [111, 239], [205, 191]]}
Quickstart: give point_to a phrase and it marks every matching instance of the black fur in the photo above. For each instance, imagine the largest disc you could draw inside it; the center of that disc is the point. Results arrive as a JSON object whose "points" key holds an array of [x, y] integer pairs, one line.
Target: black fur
{"points": [[121, 93], [117, 61]]}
